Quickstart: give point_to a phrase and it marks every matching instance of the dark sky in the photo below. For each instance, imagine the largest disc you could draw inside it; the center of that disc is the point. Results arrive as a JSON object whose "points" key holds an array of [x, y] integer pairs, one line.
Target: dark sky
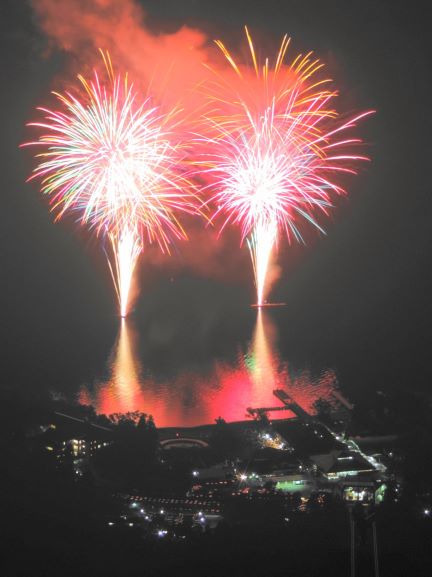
{"points": [[359, 299]]}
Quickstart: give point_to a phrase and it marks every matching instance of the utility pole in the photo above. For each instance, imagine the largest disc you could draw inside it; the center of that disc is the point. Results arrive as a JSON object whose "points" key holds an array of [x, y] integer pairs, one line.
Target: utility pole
{"points": [[359, 522], [375, 548], [352, 531]]}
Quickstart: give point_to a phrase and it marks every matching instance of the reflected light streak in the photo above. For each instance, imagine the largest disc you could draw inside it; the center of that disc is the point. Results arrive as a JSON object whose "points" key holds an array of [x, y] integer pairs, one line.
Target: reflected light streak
{"points": [[263, 353], [192, 398], [122, 392], [126, 368]]}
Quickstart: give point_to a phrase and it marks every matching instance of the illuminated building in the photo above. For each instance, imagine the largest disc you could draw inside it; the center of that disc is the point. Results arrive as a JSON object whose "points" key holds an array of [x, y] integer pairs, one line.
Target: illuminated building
{"points": [[77, 452]]}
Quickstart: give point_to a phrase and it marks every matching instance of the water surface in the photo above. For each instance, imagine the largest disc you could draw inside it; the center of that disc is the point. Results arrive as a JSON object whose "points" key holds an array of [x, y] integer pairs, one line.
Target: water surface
{"points": [[144, 372]]}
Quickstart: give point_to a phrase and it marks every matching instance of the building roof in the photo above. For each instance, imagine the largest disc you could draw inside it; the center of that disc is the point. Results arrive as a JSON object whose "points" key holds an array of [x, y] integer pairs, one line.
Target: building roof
{"points": [[341, 462]]}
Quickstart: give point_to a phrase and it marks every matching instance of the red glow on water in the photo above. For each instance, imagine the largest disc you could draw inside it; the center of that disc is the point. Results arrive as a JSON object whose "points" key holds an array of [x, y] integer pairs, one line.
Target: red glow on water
{"points": [[191, 398]]}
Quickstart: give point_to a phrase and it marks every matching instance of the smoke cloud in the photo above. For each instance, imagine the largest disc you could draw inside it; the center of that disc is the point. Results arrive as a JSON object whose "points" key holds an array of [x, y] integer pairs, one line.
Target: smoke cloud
{"points": [[169, 66]]}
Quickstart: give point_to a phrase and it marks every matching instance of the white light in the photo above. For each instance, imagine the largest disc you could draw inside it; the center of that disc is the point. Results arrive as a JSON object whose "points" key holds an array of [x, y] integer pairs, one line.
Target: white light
{"points": [[162, 511], [130, 524], [195, 473], [142, 511], [110, 523], [243, 477], [427, 512], [162, 533]]}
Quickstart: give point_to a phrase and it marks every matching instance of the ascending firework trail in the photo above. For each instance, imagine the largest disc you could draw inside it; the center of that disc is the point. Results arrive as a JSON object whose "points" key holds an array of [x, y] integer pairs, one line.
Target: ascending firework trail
{"points": [[118, 163], [271, 150]]}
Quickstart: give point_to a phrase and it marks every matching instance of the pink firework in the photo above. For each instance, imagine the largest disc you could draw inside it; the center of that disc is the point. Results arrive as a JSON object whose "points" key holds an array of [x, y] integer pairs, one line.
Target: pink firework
{"points": [[273, 151], [119, 164]]}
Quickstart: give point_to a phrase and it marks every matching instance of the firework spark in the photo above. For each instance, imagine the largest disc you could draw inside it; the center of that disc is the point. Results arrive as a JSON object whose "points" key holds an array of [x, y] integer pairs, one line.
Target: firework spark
{"points": [[119, 164], [272, 150]]}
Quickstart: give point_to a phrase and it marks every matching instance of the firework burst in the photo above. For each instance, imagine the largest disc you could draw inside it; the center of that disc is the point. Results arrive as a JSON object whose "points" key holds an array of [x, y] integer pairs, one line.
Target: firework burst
{"points": [[272, 151], [119, 164]]}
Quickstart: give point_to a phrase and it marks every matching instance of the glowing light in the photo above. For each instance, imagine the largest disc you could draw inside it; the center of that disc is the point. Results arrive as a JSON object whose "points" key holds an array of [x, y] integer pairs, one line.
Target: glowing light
{"points": [[126, 250], [260, 246], [224, 389], [125, 369], [271, 149], [118, 163], [264, 373]]}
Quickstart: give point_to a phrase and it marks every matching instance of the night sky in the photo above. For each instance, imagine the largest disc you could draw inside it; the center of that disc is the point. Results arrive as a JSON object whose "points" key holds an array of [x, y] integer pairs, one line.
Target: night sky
{"points": [[359, 299]]}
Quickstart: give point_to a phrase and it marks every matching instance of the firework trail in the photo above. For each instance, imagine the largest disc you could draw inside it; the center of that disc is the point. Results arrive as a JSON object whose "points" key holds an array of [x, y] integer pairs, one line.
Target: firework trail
{"points": [[272, 150], [118, 164]]}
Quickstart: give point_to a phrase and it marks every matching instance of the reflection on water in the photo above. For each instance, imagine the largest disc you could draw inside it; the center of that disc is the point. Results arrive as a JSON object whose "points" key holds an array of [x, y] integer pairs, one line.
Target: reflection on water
{"points": [[125, 378], [227, 389], [262, 355]]}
